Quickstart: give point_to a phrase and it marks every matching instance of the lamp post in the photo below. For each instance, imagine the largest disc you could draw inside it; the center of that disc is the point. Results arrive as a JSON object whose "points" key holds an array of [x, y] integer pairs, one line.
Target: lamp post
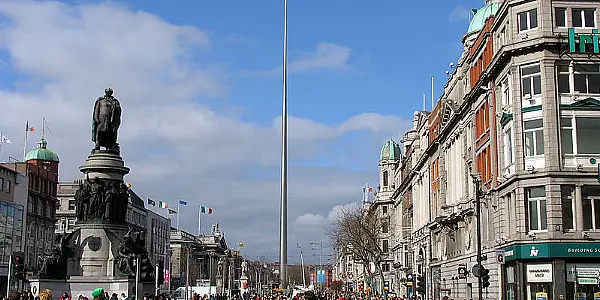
{"points": [[477, 183], [302, 266]]}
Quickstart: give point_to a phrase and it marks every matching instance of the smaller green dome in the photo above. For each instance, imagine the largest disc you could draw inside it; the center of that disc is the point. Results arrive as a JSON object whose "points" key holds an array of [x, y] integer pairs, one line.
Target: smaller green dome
{"points": [[390, 151], [41, 152], [483, 14]]}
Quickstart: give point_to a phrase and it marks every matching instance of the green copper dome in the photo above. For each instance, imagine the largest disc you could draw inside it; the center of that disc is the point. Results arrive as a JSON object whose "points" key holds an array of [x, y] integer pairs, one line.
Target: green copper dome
{"points": [[483, 14], [390, 151], [41, 153]]}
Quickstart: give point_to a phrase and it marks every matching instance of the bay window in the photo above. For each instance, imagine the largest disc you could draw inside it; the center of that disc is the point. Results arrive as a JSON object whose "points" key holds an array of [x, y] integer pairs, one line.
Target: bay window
{"points": [[581, 78], [534, 137], [578, 135], [531, 81], [583, 17], [536, 200]]}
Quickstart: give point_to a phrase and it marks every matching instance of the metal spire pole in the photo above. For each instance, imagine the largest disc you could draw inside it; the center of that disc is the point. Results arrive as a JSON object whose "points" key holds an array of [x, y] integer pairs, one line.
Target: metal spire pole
{"points": [[284, 124]]}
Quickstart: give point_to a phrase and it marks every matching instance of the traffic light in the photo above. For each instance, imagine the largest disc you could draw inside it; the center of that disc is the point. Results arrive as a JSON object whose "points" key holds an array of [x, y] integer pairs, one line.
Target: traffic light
{"points": [[485, 277], [18, 268], [420, 284]]}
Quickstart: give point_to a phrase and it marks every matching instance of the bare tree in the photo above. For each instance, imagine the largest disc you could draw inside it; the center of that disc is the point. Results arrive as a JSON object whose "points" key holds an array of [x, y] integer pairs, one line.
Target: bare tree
{"points": [[355, 230]]}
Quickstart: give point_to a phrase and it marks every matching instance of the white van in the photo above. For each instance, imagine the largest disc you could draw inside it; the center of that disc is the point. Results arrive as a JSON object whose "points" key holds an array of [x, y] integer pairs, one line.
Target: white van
{"points": [[179, 293]]}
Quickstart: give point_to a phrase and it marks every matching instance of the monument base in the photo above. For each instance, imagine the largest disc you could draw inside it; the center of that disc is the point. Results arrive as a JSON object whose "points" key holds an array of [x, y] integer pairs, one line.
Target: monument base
{"points": [[97, 244], [84, 285]]}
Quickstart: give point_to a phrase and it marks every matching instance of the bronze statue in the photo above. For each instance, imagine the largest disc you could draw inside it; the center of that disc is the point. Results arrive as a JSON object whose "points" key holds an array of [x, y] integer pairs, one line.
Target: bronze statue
{"points": [[54, 264], [106, 121]]}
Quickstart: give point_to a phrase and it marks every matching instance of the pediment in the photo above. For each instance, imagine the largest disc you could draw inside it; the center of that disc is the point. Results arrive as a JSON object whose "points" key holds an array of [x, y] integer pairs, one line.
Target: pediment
{"points": [[505, 119], [587, 103]]}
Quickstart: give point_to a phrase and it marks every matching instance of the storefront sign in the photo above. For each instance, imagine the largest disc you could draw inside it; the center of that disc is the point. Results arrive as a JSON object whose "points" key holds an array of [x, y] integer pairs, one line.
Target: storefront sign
{"points": [[582, 270], [539, 273], [551, 250], [584, 40]]}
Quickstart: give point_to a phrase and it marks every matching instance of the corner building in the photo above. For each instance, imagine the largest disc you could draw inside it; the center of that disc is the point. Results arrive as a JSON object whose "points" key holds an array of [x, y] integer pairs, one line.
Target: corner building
{"points": [[521, 109]]}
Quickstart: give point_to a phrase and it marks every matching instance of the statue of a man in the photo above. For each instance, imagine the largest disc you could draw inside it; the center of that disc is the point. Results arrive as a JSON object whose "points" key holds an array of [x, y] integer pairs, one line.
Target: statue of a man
{"points": [[106, 121]]}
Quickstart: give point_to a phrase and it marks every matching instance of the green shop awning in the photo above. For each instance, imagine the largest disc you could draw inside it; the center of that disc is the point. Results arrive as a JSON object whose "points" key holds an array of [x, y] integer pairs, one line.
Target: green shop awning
{"points": [[551, 250]]}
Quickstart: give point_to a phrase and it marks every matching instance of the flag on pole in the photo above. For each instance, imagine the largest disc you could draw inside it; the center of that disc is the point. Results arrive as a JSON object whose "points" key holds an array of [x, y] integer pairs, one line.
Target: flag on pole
{"points": [[5, 140], [182, 202], [163, 204], [151, 202], [172, 211], [240, 244], [206, 210], [28, 128]]}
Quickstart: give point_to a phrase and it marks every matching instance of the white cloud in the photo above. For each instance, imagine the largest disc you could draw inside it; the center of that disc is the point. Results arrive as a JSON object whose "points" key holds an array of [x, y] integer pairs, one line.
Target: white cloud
{"points": [[459, 14], [327, 56], [176, 147], [310, 220]]}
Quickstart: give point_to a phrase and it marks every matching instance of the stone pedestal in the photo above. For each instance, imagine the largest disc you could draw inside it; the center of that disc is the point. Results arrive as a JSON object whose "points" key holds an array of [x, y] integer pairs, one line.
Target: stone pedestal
{"points": [[84, 285], [104, 165], [97, 244]]}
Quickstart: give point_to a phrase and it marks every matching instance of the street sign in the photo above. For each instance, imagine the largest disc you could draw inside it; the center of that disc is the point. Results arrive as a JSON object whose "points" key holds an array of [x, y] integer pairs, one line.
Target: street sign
{"points": [[587, 273], [587, 280], [500, 256]]}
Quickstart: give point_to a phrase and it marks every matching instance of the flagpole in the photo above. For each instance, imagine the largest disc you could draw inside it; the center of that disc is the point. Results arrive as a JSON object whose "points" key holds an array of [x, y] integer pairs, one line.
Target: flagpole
{"points": [[177, 215], [284, 136], [199, 220], [25, 146]]}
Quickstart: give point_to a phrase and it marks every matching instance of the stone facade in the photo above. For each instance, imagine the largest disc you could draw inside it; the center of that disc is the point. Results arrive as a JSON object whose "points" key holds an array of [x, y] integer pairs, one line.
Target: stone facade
{"points": [[521, 110]]}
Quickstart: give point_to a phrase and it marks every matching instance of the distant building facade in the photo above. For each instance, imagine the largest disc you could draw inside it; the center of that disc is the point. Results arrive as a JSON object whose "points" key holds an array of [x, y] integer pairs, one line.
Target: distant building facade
{"points": [[13, 200]]}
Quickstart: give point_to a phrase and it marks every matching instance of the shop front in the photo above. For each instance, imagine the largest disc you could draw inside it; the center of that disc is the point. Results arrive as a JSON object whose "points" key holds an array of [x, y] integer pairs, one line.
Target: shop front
{"points": [[551, 271]]}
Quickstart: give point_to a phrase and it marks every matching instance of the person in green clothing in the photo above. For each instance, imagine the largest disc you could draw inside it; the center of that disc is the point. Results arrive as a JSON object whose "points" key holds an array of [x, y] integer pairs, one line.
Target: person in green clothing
{"points": [[98, 294]]}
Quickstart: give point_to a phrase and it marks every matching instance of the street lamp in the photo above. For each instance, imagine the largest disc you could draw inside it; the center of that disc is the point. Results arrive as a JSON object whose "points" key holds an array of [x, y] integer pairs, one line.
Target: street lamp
{"points": [[302, 266]]}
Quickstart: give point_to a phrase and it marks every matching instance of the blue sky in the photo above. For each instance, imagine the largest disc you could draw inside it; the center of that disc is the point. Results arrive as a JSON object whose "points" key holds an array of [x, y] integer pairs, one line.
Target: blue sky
{"points": [[200, 86]]}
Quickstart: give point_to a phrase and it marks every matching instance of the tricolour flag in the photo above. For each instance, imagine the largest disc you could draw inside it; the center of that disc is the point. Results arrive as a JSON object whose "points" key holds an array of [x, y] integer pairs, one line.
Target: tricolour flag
{"points": [[206, 210], [5, 140], [240, 244], [172, 211], [28, 128], [151, 202], [182, 202], [163, 204]]}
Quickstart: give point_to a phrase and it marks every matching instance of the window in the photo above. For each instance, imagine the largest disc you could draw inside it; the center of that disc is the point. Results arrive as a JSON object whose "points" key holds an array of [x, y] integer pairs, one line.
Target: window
{"points": [[527, 20], [384, 209], [534, 137], [531, 80], [385, 178], [508, 147], [502, 37], [385, 267], [386, 246], [536, 197], [1, 184], [567, 207], [8, 186], [583, 17], [506, 100], [581, 78], [566, 136], [560, 17], [71, 204], [385, 228], [587, 132], [591, 207]]}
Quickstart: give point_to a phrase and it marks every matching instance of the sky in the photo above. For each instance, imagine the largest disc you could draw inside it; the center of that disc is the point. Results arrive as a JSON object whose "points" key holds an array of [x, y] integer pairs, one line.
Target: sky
{"points": [[200, 85]]}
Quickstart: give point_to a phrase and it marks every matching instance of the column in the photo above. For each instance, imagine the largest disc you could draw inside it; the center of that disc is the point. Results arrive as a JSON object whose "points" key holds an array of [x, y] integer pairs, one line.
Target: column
{"points": [[578, 208]]}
